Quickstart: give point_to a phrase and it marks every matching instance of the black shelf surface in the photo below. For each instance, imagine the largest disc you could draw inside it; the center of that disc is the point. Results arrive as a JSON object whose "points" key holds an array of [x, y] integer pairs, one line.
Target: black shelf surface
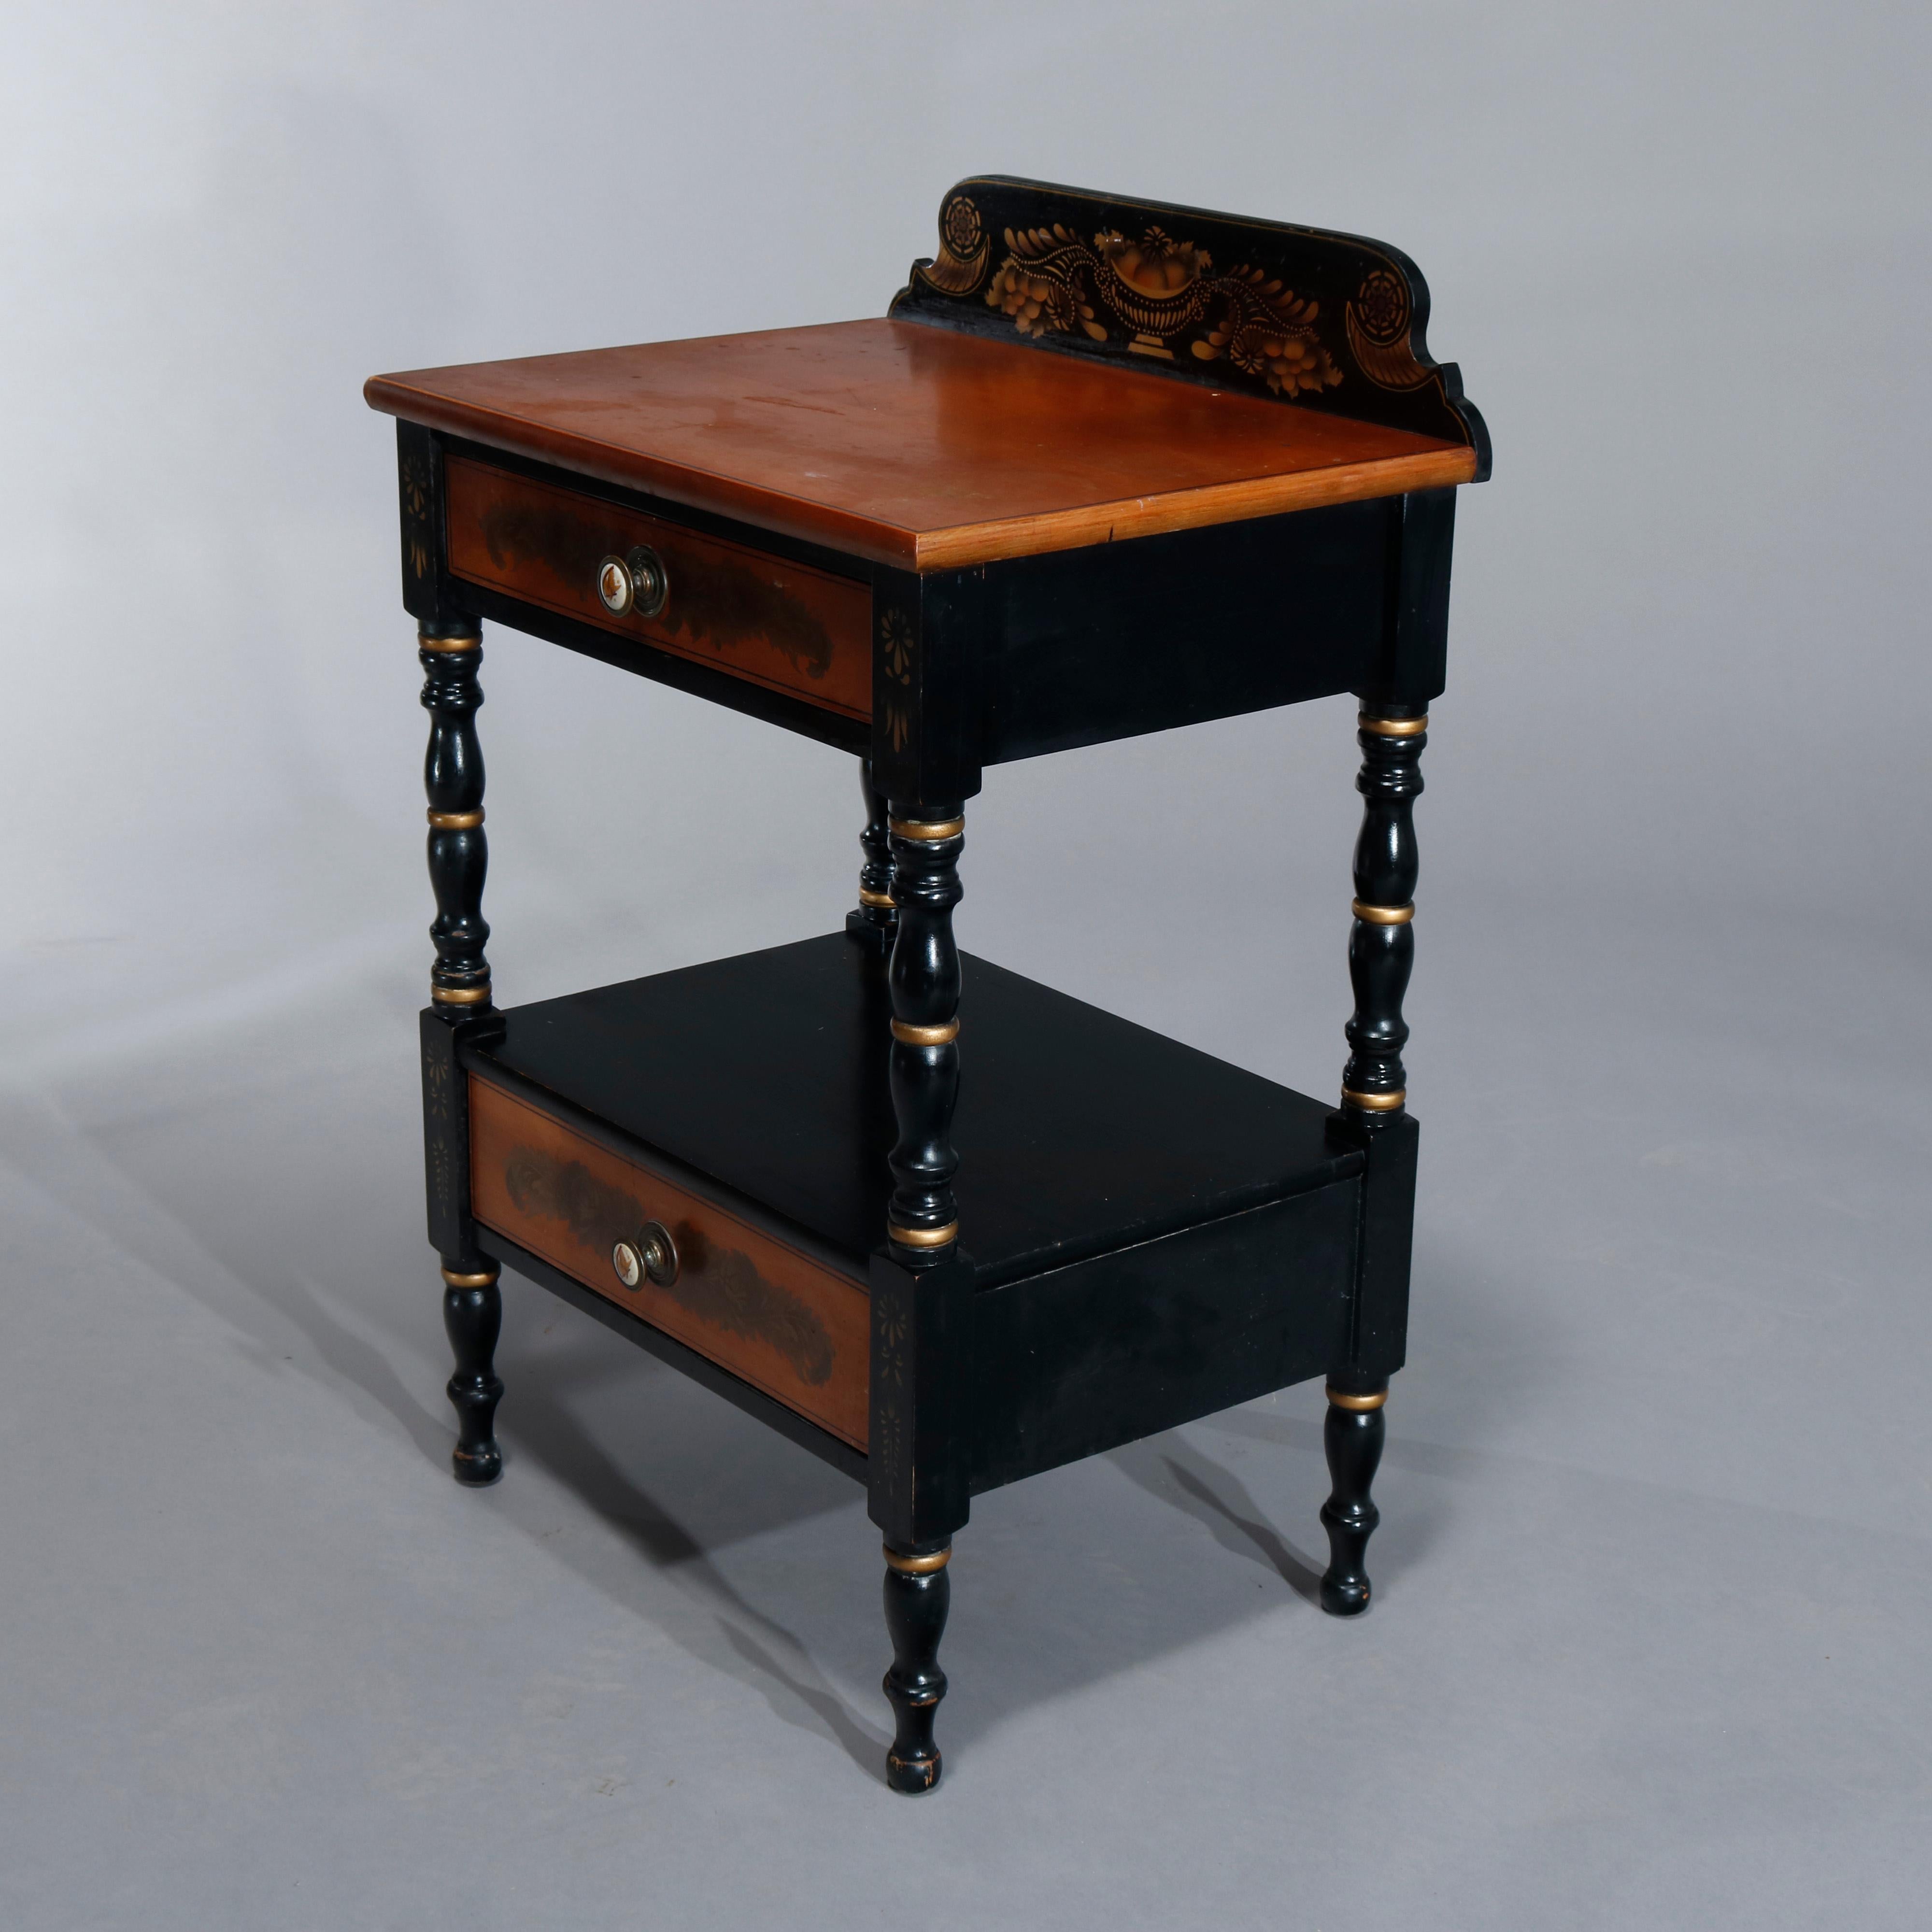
{"points": [[1079, 1133]]}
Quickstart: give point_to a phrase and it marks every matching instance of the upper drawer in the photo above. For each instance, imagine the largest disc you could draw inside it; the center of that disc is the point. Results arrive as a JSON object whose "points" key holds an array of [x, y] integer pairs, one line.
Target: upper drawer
{"points": [[784, 625]]}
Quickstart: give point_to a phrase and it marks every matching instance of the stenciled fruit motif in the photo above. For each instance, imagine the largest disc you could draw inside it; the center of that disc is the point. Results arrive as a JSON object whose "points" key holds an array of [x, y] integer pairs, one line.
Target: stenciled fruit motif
{"points": [[1164, 290]]}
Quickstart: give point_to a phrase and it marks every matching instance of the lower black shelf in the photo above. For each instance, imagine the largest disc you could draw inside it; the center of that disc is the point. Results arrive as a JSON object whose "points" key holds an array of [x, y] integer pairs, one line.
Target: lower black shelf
{"points": [[1148, 1234], [1079, 1133]]}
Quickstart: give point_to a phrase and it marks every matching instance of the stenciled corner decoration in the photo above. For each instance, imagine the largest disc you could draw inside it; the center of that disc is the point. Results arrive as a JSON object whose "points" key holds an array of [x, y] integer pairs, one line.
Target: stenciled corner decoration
{"points": [[897, 646], [1377, 321], [415, 513], [1161, 293]]}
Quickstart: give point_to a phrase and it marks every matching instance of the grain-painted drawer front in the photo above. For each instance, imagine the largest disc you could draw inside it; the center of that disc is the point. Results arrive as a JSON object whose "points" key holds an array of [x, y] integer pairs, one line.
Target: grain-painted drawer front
{"points": [[780, 1320], [784, 625]]}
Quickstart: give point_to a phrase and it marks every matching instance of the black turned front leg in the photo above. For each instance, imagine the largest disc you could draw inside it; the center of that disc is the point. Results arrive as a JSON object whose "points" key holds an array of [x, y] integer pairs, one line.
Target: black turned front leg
{"points": [[459, 858], [921, 1286], [918, 1593], [923, 1220], [1352, 1436], [875, 920], [459, 853], [1382, 943], [472, 1317]]}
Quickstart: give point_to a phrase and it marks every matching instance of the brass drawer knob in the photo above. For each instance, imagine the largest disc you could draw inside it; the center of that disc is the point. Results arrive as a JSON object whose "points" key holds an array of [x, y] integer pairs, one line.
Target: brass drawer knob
{"points": [[652, 1255], [635, 584]]}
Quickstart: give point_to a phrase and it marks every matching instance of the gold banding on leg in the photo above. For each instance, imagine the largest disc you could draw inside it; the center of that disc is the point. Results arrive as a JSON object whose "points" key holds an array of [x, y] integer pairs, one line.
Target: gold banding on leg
{"points": [[1361, 1405], [918, 1566], [1393, 727], [449, 644], [1374, 1103], [884, 901], [455, 821], [1400, 915], [460, 996], [942, 1035], [923, 1238], [456, 1280], [929, 833]]}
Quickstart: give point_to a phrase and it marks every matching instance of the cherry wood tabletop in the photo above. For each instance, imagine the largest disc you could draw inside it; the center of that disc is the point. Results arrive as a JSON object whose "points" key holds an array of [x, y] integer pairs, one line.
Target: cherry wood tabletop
{"points": [[916, 446]]}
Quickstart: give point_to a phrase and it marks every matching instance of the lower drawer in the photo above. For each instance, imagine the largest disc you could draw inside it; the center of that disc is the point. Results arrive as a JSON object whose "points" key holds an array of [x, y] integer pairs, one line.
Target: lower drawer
{"points": [[778, 1318]]}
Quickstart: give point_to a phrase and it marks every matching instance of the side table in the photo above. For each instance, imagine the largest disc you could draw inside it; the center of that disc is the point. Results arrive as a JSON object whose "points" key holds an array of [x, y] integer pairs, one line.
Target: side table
{"points": [[1105, 467]]}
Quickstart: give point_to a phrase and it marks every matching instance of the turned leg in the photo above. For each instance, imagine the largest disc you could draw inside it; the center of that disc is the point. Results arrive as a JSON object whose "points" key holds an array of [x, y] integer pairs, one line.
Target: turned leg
{"points": [[459, 853], [459, 857], [1352, 1436], [920, 1287], [923, 1220], [874, 919], [1382, 943], [918, 1593], [472, 1317], [1382, 949]]}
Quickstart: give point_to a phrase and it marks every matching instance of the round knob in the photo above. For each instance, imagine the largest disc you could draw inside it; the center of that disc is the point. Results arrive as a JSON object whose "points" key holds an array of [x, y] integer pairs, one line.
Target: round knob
{"points": [[653, 1256], [635, 582]]}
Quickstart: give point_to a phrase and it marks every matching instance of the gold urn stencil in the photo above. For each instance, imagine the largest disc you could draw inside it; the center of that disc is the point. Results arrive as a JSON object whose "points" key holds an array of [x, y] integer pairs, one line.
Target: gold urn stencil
{"points": [[1157, 290]]}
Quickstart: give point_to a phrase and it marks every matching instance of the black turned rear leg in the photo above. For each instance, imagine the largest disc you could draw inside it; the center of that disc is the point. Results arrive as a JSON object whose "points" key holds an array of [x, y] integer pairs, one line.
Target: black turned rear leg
{"points": [[918, 1593], [874, 919], [472, 1314], [1353, 1437]]}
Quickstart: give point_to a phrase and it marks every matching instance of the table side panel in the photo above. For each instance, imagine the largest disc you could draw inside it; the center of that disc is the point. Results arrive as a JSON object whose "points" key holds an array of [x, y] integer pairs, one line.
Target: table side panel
{"points": [[1080, 1359], [1161, 631], [774, 622], [779, 1319]]}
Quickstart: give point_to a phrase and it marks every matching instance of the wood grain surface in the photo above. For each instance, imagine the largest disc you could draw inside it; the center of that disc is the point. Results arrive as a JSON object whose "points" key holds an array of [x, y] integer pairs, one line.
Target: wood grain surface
{"points": [[779, 624], [782, 1321], [916, 446]]}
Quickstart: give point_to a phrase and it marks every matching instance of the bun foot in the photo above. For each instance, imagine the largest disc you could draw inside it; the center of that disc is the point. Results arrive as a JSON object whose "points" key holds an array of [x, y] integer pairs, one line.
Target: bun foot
{"points": [[477, 1468], [913, 1775], [1345, 1596], [1352, 1436]]}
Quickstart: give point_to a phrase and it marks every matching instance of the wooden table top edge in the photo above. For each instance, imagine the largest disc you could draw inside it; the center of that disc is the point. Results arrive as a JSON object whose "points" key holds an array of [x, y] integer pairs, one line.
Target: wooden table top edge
{"points": [[966, 544], [956, 547]]}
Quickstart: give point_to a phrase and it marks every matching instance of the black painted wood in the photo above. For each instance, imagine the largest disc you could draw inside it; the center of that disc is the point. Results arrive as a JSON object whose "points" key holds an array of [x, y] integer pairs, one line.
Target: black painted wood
{"points": [[451, 653], [1412, 665], [1080, 1359], [916, 1604], [919, 1433], [1111, 642], [443, 1031], [428, 596], [1353, 1439], [1378, 1330], [755, 1403], [924, 1059], [931, 638], [1382, 953], [875, 920], [473, 1317], [1320, 320]]}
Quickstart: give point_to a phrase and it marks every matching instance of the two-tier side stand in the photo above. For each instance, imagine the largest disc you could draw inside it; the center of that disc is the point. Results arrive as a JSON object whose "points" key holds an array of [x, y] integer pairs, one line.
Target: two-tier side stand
{"points": [[1106, 467]]}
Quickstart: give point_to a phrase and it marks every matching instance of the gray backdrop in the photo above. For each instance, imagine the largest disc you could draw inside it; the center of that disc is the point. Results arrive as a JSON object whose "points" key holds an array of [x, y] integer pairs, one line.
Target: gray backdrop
{"points": [[1649, 1642]]}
